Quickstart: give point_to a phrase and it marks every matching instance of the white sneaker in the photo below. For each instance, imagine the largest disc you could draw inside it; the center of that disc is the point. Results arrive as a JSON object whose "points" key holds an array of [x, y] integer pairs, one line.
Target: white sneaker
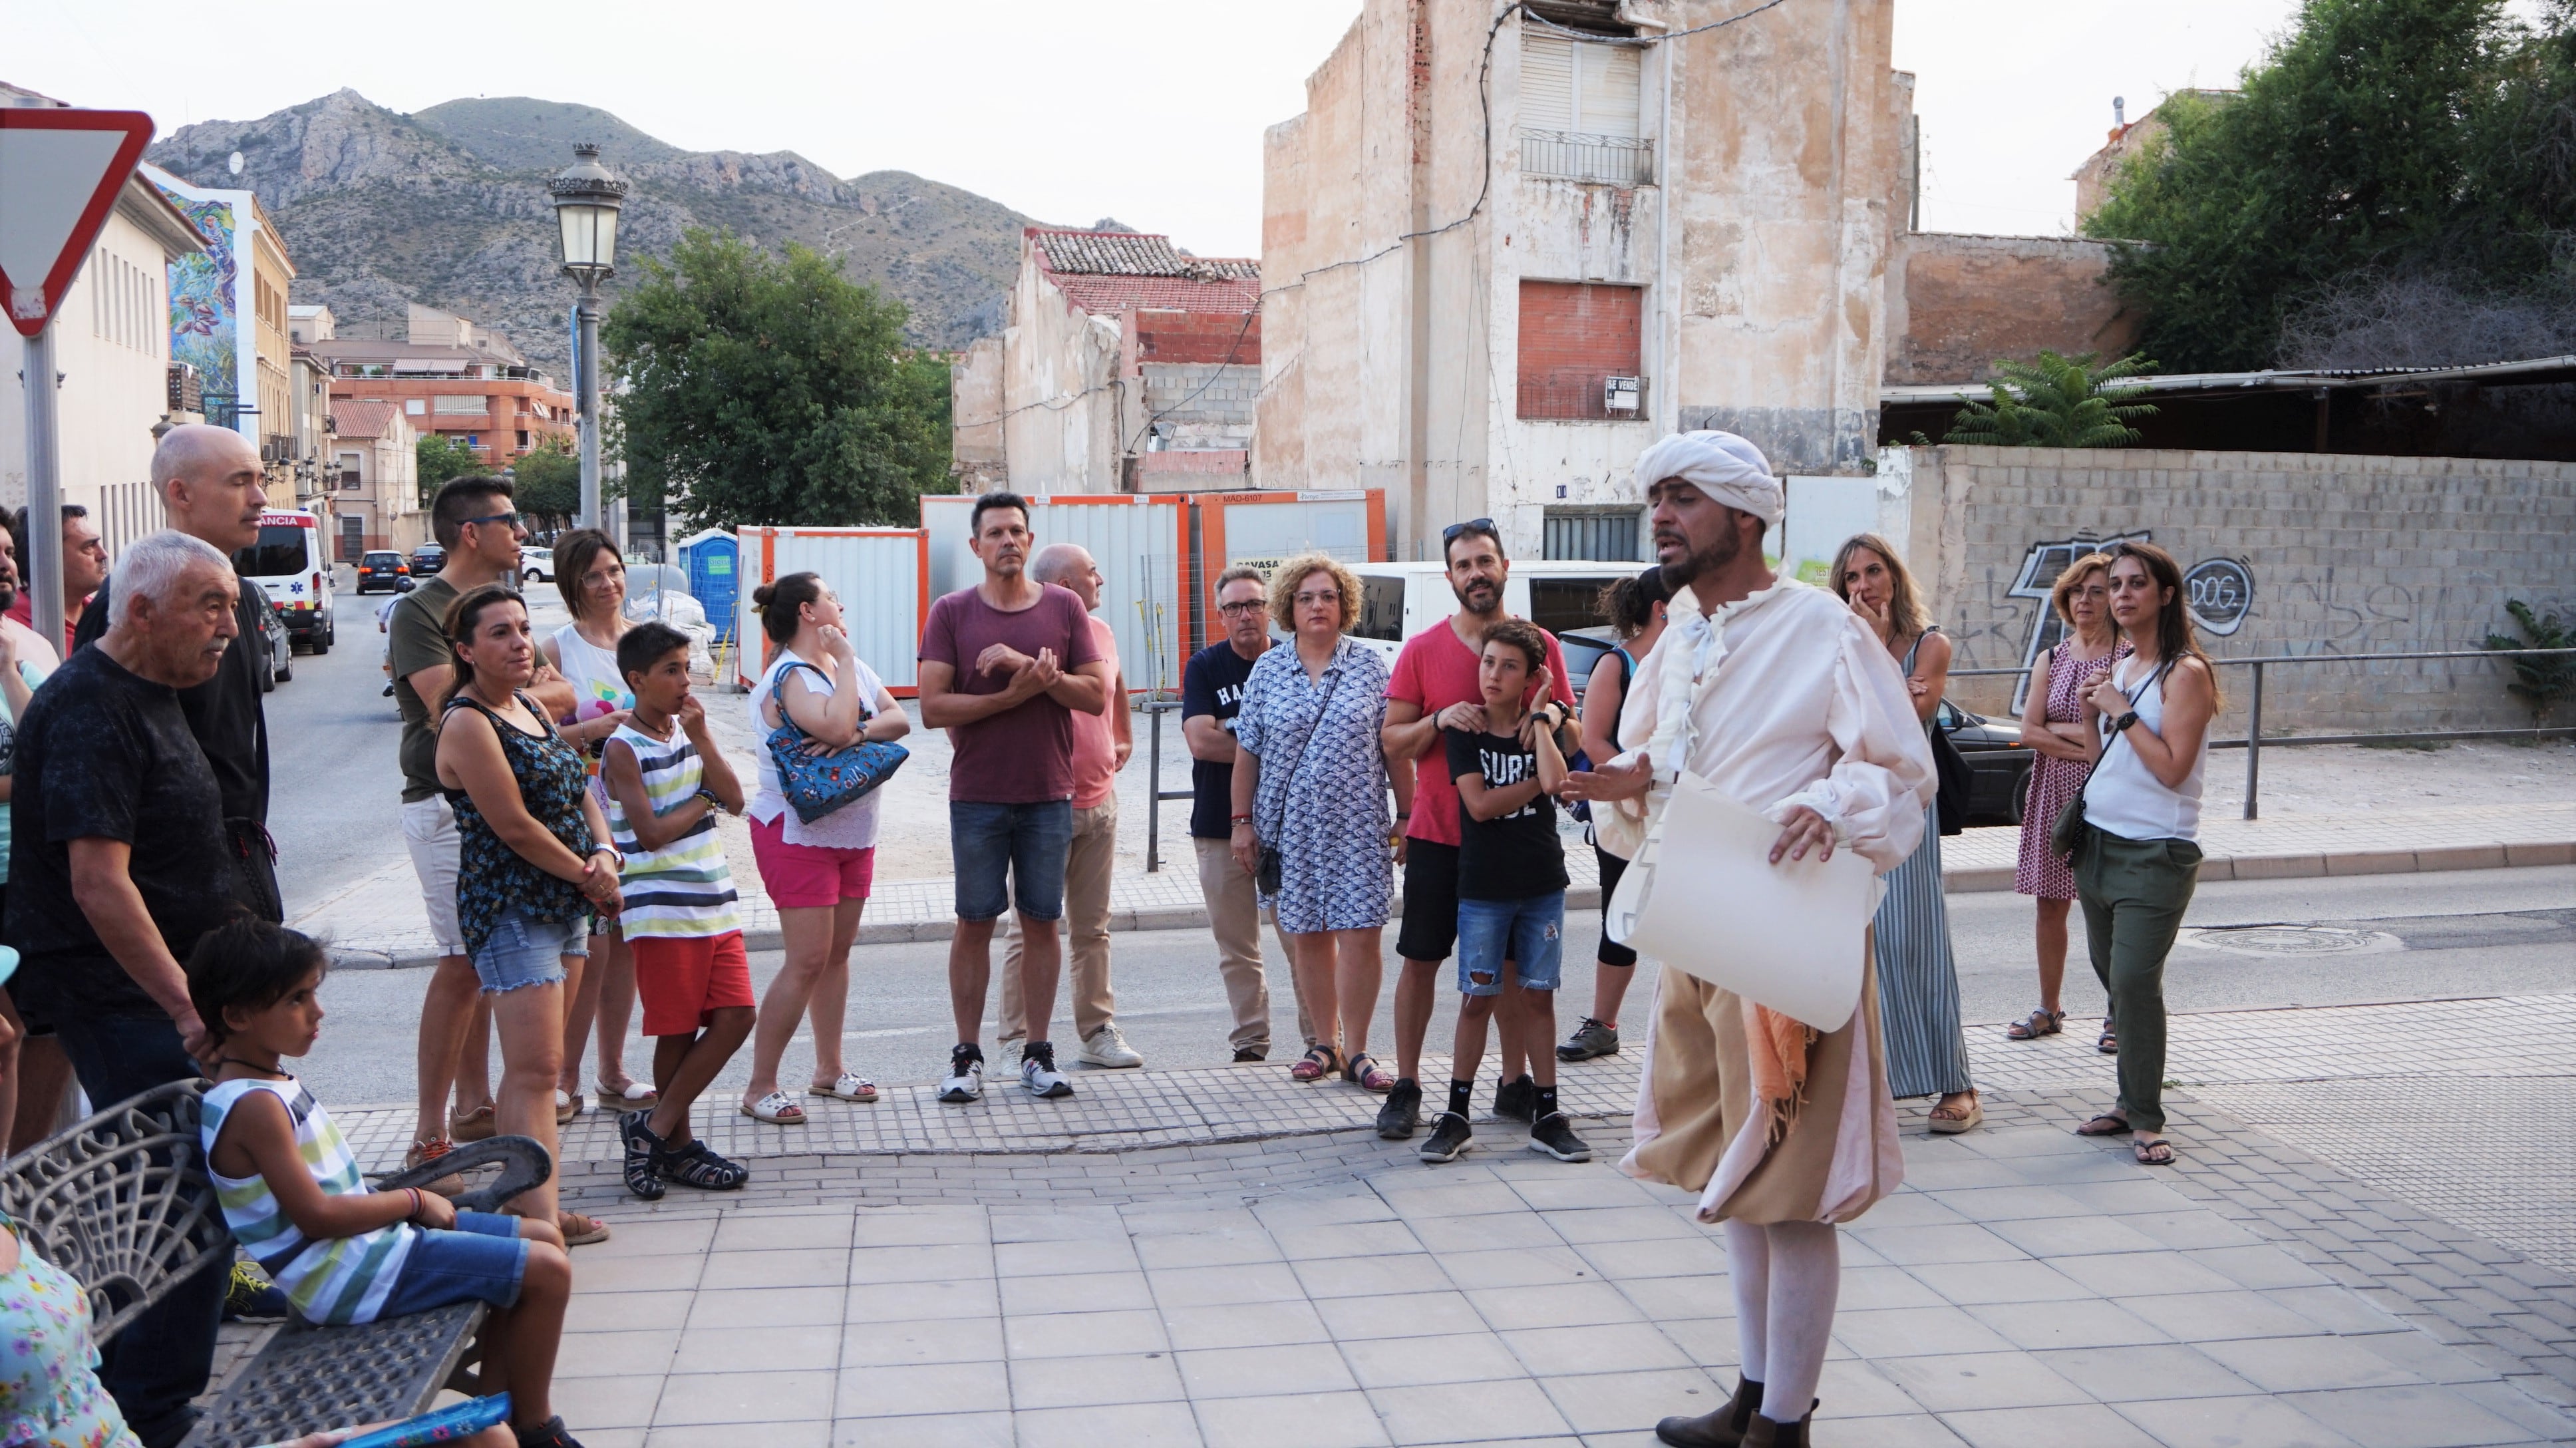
{"points": [[1038, 1073], [965, 1080], [1106, 1047]]}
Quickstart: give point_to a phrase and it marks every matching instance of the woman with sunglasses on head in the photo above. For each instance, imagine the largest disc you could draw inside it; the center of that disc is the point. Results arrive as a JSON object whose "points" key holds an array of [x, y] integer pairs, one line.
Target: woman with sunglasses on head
{"points": [[2137, 856], [591, 575]]}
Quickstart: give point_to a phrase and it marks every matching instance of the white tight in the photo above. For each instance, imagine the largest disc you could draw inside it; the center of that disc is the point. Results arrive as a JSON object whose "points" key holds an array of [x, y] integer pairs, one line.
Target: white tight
{"points": [[1786, 1276]]}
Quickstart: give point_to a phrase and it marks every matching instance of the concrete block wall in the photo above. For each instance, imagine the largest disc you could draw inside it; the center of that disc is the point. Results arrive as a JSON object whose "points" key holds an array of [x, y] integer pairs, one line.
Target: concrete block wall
{"points": [[1205, 405], [2344, 556]]}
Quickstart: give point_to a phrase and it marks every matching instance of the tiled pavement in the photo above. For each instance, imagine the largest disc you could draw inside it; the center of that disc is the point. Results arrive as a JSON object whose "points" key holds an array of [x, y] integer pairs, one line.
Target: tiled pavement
{"points": [[379, 920], [1014, 1281]]}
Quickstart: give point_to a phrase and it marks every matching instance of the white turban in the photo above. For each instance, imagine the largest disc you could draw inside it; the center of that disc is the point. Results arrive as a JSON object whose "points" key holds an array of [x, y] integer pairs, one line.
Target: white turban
{"points": [[1720, 464]]}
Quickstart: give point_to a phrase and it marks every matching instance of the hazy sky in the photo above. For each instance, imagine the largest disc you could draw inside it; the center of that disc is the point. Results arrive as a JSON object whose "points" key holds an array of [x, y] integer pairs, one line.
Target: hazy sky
{"points": [[1150, 111]]}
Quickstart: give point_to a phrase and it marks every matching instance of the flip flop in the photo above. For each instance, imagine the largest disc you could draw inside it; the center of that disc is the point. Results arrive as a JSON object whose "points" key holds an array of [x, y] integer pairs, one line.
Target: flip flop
{"points": [[2104, 1125], [2158, 1152], [777, 1108]]}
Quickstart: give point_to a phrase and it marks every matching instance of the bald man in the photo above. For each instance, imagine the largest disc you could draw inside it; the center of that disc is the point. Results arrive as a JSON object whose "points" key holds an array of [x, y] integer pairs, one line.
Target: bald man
{"points": [[214, 490]]}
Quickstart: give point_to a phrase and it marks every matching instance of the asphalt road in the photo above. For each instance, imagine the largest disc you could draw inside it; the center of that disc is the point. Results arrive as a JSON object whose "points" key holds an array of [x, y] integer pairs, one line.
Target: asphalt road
{"points": [[335, 799]]}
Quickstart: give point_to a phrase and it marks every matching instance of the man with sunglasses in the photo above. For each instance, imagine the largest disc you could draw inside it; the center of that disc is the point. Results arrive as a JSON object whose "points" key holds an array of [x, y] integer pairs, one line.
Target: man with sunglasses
{"points": [[1211, 697], [1435, 687]]}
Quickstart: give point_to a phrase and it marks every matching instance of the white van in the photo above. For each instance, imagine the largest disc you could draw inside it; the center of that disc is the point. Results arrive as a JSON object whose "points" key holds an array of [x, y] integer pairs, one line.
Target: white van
{"points": [[288, 563], [1399, 600]]}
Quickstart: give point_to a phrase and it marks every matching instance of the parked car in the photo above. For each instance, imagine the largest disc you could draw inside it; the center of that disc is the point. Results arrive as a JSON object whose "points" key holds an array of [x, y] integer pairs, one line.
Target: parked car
{"points": [[536, 565], [1399, 600], [281, 650], [377, 571], [1998, 764], [427, 559], [1585, 647], [287, 562]]}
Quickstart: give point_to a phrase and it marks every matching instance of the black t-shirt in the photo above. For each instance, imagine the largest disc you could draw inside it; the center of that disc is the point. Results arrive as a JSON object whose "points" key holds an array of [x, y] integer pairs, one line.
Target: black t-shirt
{"points": [[224, 712], [107, 754], [1213, 684], [1518, 855]]}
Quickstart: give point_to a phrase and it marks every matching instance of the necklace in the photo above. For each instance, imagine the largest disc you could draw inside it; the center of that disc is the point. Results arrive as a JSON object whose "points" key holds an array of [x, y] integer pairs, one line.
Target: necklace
{"points": [[250, 1066]]}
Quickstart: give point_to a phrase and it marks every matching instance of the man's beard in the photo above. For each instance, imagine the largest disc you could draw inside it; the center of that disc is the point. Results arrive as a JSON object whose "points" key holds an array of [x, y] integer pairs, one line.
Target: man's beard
{"points": [[1702, 562], [1465, 603], [8, 595]]}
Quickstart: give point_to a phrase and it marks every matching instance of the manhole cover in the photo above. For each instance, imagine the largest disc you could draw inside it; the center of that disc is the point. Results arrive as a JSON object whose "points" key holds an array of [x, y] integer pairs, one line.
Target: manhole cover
{"points": [[2292, 940]]}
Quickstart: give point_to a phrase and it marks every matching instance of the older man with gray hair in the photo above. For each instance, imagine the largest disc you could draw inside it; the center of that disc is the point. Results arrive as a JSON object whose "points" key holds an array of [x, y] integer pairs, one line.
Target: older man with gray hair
{"points": [[212, 486], [117, 864], [1102, 744]]}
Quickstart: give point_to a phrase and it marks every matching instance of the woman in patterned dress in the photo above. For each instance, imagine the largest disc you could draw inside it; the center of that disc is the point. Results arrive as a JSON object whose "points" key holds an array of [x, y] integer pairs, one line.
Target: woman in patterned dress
{"points": [[1918, 974], [1310, 781], [2052, 725]]}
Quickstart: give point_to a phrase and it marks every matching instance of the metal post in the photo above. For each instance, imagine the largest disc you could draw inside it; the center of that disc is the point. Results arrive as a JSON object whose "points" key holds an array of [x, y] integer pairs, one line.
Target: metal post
{"points": [[1154, 795], [586, 383], [44, 578], [2254, 742]]}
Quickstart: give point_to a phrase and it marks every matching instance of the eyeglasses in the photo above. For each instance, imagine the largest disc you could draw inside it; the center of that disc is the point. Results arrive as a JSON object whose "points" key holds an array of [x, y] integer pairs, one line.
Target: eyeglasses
{"points": [[1248, 605], [506, 520], [1454, 531]]}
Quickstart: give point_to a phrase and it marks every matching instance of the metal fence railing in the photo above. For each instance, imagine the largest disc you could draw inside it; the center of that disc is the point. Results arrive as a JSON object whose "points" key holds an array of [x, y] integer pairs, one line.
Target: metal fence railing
{"points": [[2255, 739], [1582, 156]]}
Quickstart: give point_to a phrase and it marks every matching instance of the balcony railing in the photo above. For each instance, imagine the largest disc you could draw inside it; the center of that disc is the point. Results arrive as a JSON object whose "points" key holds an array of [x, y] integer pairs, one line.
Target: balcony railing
{"points": [[1577, 156]]}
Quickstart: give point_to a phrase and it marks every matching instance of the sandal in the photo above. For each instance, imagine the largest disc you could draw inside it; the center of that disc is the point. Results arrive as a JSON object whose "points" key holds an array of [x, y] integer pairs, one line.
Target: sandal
{"points": [[848, 1086], [580, 1231], [1319, 1062], [1364, 1072], [695, 1165], [777, 1108], [1952, 1125], [2158, 1152], [2109, 1044], [2105, 1124], [642, 1147], [474, 1125], [636, 1097], [567, 1106], [2037, 1024]]}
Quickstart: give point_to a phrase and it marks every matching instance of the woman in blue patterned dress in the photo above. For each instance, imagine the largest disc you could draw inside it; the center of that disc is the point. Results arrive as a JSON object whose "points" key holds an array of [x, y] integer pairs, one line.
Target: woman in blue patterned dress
{"points": [[1310, 782]]}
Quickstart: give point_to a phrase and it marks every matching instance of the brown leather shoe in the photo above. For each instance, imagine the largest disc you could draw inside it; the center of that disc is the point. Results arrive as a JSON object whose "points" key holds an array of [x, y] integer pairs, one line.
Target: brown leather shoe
{"points": [[1763, 1433], [1721, 1429]]}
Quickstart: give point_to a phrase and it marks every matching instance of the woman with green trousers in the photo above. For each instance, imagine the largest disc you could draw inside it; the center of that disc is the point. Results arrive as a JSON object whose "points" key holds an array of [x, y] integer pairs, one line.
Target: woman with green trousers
{"points": [[2137, 856]]}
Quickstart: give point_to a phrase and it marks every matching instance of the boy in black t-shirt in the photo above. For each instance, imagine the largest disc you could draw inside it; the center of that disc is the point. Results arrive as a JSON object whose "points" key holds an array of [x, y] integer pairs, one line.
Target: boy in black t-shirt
{"points": [[1511, 880]]}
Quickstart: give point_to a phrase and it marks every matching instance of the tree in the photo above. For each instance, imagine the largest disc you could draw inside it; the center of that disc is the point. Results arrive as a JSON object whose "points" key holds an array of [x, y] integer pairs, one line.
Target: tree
{"points": [[2056, 402], [2386, 136], [772, 389], [548, 481], [437, 459]]}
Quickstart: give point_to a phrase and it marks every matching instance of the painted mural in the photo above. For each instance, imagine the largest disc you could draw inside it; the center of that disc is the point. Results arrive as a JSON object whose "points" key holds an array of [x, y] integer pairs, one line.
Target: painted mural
{"points": [[204, 319]]}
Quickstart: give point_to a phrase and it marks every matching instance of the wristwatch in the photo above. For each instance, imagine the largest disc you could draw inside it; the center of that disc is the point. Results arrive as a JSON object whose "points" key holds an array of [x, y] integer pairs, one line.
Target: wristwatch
{"points": [[713, 803], [2124, 721]]}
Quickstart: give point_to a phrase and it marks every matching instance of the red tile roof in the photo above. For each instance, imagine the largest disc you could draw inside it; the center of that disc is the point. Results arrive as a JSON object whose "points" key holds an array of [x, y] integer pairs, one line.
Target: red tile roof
{"points": [[353, 418], [1124, 271]]}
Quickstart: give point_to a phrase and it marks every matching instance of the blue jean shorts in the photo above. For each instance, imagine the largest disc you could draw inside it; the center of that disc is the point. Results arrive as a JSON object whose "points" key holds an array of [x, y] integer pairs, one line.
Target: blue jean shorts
{"points": [[1528, 933], [525, 952], [482, 1259], [1010, 853]]}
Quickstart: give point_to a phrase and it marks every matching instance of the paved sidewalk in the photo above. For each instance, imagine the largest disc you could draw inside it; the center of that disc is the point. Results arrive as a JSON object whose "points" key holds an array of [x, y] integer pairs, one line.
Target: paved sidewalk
{"points": [[380, 920]]}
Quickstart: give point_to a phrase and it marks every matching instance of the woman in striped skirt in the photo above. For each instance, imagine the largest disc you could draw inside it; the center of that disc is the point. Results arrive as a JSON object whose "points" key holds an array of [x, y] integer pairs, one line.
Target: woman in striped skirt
{"points": [[1918, 980]]}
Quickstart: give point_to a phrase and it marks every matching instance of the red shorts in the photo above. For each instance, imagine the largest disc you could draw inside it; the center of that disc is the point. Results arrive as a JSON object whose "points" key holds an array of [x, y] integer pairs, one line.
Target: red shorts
{"points": [[684, 982], [809, 877]]}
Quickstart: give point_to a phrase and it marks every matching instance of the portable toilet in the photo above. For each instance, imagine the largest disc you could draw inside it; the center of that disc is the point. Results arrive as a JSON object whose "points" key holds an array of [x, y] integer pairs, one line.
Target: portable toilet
{"points": [[712, 560]]}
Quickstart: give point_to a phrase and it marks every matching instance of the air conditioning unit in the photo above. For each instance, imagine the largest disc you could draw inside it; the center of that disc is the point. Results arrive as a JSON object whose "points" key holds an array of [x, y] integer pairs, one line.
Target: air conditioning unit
{"points": [[1619, 394]]}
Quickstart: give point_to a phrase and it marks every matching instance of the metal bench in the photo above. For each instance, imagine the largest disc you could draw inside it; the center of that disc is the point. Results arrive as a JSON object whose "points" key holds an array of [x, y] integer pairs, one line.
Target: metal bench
{"points": [[122, 1203]]}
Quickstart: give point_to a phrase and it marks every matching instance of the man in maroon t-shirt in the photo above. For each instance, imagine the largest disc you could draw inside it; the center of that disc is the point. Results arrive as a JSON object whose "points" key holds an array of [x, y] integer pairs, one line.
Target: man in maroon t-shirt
{"points": [[1003, 666], [1435, 687]]}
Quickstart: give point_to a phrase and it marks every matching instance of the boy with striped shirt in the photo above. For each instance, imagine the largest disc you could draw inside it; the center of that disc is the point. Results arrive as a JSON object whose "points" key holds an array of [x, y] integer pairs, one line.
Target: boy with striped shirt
{"points": [[665, 779]]}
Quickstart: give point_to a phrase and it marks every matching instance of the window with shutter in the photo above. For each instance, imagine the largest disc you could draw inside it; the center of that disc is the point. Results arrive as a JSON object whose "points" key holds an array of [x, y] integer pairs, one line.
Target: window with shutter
{"points": [[1547, 83], [1605, 90], [1579, 111]]}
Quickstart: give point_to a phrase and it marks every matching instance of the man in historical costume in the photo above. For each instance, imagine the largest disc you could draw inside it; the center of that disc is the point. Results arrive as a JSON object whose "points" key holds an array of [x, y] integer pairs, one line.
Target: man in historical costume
{"points": [[1778, 695]]}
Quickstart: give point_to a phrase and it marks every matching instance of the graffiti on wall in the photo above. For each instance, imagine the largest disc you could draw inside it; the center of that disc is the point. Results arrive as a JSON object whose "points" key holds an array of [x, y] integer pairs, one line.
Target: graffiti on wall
{"points": [[2219, 592], [204, 321]]}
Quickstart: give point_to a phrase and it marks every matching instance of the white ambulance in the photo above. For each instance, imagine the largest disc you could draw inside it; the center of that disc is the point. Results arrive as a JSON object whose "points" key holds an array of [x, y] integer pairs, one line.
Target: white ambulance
{"points": [[289, 563]]}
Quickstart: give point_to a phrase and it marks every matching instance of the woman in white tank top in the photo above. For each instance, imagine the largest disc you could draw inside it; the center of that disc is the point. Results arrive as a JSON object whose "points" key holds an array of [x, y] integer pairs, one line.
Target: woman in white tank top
{"points": [[2138, 857], [591, 576]]}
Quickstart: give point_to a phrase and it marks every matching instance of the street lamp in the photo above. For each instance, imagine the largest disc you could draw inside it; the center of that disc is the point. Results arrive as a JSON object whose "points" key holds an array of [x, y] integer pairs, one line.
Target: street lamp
{"points": [[586, 201]]}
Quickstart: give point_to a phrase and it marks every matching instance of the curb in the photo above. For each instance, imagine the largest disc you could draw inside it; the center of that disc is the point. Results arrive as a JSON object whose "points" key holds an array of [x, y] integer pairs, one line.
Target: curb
{"points": [[1990, 880]]}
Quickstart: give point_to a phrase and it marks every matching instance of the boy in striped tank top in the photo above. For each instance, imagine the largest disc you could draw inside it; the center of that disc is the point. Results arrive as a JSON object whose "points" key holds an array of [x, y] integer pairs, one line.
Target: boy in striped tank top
{"points": [[294, 1198], [666, 778]]}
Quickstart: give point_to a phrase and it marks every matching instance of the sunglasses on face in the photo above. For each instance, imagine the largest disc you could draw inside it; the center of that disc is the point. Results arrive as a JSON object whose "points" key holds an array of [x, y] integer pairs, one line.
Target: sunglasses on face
{"points": [[506, 520]]}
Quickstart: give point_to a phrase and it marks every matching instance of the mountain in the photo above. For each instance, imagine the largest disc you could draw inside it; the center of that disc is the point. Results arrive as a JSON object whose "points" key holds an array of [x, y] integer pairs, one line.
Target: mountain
{"points": [[448, 207]]}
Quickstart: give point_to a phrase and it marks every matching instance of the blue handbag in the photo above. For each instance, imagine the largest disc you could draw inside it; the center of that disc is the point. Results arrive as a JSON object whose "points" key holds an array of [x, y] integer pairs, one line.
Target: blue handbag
{"points": [[817, 784]]}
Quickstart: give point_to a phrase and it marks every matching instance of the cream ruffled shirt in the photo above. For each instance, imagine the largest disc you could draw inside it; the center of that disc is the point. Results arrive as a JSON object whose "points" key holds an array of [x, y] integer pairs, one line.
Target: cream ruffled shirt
{"points": [[1791, 701]]}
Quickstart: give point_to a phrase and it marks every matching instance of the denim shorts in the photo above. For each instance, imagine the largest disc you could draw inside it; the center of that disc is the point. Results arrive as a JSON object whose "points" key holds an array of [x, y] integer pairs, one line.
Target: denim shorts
{"points": [[1004, 851], [525, 952], [1528, 933], [481, 1259]]}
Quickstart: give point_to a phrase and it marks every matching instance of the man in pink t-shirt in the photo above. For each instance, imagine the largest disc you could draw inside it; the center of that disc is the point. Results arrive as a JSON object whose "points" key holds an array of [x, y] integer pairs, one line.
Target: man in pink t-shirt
{"points": [[1005, 666], [1101, 746], [1434, 686]]}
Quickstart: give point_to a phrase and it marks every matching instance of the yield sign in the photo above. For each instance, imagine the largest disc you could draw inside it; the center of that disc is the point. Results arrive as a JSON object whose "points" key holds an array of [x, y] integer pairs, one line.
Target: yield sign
{"points": [[60, 171]]}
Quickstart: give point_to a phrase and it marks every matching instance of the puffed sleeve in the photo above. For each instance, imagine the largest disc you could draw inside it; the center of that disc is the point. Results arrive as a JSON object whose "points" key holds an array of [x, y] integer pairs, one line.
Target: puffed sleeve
{"points": [[1882, 778]]}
